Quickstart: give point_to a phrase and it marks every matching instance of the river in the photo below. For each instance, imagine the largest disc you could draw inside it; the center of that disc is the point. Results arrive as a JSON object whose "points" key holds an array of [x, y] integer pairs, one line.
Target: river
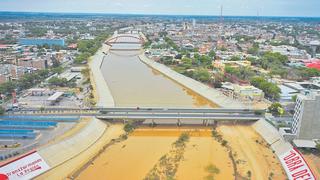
{"points": [[134, 84]]}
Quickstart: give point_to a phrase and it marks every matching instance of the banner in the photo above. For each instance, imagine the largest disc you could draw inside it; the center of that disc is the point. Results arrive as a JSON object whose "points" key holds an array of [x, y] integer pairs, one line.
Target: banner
{"points": [[25, 167], [295, 166]]}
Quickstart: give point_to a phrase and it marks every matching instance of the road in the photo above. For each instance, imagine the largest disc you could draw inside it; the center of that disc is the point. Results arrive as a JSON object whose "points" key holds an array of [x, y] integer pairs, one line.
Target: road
{"points": [[149, 113]]}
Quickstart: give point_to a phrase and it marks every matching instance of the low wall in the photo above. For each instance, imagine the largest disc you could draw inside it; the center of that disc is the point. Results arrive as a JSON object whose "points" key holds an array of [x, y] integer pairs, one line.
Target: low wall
{"points": [[104, 96], [203, 90], [65, 150], [272, 136]]}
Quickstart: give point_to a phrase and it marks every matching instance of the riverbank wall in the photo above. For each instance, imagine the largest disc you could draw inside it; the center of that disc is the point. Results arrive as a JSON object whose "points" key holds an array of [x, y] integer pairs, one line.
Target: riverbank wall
{"points": [[58, 154], [272, 136], [102, 92], [203, 90]]}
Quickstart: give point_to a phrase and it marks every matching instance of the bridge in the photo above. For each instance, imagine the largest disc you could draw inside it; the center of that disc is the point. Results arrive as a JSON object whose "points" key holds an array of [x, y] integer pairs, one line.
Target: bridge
{"points": [[134, 113], [123, 39]]}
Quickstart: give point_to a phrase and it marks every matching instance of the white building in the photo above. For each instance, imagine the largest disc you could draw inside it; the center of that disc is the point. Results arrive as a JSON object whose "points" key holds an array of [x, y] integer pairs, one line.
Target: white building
{"points": [[306, 119]]}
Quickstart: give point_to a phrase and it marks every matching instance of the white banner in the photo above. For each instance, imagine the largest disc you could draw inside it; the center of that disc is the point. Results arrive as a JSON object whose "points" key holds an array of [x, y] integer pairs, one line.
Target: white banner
{"points": [[295, 166], [25, 167]]}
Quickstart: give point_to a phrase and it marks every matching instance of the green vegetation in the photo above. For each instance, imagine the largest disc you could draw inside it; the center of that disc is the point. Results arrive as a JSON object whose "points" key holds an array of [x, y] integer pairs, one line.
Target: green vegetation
{"points": [[88, 48], [212, 54], [294, 98], [183, 138], [306, 73], [167, 60], [147, 43], [129, 127], [60, 82], [1, 110], [318, 146], [202, 75], [254, 50], [249, 174], [171, 43], [270, 60], [258, 112], [42, 108], [27, 81], [235, 58], [271, 90], [271, 175], [168, 164], [202, 60], [211, 170], [244, 73], [276, 109]]}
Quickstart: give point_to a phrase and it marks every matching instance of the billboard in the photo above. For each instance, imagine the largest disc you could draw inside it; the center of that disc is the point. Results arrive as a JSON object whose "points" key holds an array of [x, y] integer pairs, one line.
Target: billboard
{"points": [[295, 166], [24, 167]]}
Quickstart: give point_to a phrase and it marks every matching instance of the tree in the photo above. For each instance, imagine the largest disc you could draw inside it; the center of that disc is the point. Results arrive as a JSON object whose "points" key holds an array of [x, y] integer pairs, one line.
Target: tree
{"points": [[205, 60], [294, 98], [2, 110], [254, 50], [187, 62], [318, 146], [235, 58], [129, 127], [270, 89], [55, 81], [244, 73], [7, 87], [276, 109], [202, 75], [212, 54], [85, 72]]}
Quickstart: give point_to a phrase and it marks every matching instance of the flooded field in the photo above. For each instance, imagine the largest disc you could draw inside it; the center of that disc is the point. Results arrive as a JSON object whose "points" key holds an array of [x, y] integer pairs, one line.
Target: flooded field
{"points": [[147, 150], [144, 148]]}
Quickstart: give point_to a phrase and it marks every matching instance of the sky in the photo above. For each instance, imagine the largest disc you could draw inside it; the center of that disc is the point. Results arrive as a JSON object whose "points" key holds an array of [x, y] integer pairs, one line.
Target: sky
{"points": [[303, 8]]}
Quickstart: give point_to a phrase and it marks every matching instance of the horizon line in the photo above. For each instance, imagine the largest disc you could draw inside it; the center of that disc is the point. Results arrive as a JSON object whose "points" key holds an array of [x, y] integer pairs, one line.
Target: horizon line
{"points": [[158, 14]]}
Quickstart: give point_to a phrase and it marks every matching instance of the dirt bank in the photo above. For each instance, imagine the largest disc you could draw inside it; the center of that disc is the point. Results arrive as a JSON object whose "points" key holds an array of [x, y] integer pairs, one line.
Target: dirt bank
{"points": [[252, 154]]}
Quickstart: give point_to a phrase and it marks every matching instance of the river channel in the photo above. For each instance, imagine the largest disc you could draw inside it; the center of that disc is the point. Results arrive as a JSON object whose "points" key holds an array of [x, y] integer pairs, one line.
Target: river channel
{"points": [[134, 84]]}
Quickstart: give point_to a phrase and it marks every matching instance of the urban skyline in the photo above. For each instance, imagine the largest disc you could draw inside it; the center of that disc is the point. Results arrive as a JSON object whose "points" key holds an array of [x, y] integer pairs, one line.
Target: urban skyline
{"points": [[230, 8]]}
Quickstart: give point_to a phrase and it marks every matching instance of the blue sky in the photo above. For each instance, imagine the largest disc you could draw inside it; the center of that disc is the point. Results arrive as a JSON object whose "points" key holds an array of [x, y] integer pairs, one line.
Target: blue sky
{"points": [[179, 7]]}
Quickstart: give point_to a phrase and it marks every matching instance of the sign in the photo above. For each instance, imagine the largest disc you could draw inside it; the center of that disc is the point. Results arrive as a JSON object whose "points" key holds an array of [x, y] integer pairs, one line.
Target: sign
{"points": [[25, 167], [295, 166]]}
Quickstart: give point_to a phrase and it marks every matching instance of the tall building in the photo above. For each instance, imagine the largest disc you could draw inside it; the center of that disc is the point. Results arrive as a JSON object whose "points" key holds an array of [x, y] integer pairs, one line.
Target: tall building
{"points": [[306, 119], [194, 23], [314, 45]]}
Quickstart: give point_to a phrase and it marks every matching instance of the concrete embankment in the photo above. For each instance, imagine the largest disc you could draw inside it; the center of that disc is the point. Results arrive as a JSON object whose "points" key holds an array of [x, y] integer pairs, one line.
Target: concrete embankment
{"points": [[59, 154], [272, 136], [203, 90], [103, 94]]}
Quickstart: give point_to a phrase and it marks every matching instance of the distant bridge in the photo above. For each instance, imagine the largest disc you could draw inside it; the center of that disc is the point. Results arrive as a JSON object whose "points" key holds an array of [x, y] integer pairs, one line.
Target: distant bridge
{"points": [[116, 39]]}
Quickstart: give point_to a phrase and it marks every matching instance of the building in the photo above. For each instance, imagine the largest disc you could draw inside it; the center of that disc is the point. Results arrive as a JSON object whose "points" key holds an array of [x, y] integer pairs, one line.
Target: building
{"points": [[306, 119], [244, 93], [36, 42], [248, 93]]}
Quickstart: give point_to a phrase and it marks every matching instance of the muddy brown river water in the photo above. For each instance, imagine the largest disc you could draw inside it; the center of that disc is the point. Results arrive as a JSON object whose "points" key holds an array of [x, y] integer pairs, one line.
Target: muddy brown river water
{"points": [[134, 84]]}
